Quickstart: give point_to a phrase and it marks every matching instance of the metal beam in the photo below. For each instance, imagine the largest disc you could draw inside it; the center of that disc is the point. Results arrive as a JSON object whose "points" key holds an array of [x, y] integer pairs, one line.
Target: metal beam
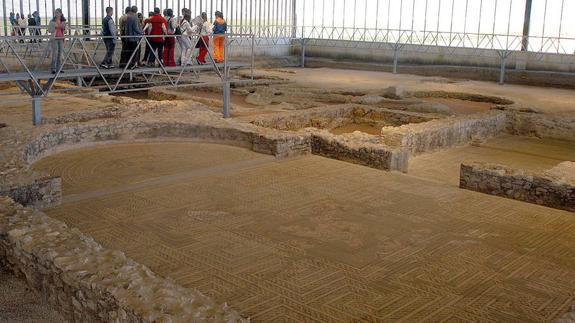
{"points": [[526, 26], [86, 16]]}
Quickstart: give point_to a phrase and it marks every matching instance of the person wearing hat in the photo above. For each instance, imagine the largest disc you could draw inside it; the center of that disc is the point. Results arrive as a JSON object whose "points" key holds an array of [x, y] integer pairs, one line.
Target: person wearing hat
{"points": [[219, 29]]}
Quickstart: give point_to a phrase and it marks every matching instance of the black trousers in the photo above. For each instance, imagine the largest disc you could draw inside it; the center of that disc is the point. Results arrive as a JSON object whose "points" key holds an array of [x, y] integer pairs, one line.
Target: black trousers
{"points": [[129, 48], [124, 54], [110, 48], [158, 48]]}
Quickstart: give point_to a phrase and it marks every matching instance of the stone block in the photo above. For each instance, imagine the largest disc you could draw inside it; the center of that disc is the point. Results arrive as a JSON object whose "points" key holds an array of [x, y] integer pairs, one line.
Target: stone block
{"points": [[550, 189]]}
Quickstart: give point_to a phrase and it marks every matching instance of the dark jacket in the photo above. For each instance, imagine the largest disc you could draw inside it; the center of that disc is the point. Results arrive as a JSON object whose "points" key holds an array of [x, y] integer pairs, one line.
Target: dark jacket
{"points": [[132, 28]]}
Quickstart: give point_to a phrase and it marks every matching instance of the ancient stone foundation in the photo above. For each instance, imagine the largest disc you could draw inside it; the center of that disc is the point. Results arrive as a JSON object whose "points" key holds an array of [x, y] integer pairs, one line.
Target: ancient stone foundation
{"points": [[525, 123], [359, 152], [554, 188], [444, 133], [39, 193], [88, 283]]}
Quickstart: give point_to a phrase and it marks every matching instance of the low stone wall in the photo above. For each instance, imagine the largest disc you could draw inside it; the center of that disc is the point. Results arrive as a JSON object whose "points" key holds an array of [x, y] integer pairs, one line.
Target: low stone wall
{"points": [[554, 188], [359, 151], [444, 133], [541, 125], [336, 116], [279, 145], [88, 283], [40, 193], [27, 188]]}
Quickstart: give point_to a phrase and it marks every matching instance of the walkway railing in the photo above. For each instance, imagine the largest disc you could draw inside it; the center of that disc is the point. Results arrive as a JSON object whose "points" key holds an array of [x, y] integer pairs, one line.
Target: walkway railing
{"points": [[29, 62]]}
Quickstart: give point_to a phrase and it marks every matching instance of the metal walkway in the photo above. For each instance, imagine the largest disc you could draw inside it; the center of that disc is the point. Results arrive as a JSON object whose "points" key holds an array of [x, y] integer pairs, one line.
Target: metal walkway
{"points": [[93, 72], [25, 61]]}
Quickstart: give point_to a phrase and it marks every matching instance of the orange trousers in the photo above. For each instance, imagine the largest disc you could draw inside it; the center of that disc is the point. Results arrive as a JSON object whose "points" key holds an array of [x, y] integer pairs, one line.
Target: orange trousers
{"points": [[219, 43]]}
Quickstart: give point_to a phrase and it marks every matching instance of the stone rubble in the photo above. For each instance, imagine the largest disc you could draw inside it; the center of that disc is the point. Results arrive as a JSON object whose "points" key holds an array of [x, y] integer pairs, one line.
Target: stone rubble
{"points": [[86, 282]]}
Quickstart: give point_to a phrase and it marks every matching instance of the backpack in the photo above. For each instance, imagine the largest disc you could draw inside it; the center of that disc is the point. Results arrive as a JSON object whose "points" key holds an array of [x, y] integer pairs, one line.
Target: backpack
{"points": [[178, 30]]}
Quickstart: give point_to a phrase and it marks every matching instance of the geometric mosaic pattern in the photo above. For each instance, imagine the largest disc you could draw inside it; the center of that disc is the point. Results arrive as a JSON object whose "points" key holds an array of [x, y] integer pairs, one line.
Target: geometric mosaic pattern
{"points": [[317, 240]]}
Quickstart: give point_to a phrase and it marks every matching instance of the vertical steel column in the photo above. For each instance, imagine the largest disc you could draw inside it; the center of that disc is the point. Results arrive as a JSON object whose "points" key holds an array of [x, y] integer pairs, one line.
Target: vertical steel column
{"points": [[526, 26], [4, 18], [86, 16], [226, 80], [302, 52], [503, 55], [395, 57], [294, 18], [253, 56], [36, 111], [544, 22]]}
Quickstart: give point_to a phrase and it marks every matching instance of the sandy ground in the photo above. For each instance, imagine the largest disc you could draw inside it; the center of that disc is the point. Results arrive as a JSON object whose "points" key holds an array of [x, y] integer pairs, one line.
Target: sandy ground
{"points": [[546, 100], [314, 239], [18, 303]]}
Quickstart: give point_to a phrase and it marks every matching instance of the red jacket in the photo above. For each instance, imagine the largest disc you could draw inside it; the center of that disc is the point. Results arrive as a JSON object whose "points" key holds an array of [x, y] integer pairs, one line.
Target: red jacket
{"points": [[157, 21]]}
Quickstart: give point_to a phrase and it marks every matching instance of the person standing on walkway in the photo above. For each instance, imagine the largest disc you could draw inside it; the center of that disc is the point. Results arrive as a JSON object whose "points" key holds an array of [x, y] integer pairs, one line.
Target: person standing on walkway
{"points": [[133, 34], [220, 28], [38, 23], [203, 29], [147, 48], [13, 23], [23, 23], [184, 31], [32, 28], [121, 27], [157, 28], [170, 41], [57, 28], [109, 34]]}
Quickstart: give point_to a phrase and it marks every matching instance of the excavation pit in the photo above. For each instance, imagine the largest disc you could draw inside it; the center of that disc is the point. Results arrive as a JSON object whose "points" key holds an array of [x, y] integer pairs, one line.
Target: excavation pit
{"points": [[148, 95], [342, 119]]}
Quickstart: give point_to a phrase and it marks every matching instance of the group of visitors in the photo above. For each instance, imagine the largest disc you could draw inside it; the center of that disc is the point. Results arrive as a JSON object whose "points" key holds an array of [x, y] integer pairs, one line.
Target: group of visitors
{"points": [[162, 31], [20, 24]]}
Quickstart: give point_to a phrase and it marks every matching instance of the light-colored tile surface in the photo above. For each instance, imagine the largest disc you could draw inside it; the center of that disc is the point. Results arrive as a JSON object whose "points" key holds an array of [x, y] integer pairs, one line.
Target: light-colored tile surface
{"points": [[313, 239]]}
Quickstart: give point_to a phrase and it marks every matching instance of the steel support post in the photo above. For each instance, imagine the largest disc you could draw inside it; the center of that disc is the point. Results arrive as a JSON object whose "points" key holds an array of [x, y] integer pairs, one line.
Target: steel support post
{"points": [[226, 80], [303, 52], [294, 19], [526, 26], [503, 55], [253, 56], [395, 58], [86, 16], [36, 111], [227, 99]]}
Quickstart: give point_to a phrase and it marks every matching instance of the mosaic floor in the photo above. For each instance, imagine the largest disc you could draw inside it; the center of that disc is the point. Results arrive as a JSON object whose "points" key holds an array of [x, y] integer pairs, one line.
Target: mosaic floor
{"points": [[313, 239]]}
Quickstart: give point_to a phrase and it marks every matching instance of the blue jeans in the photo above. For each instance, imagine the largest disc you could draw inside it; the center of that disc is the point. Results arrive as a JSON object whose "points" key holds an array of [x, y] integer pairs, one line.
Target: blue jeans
{"points": [[57, 50], [110, 48]]}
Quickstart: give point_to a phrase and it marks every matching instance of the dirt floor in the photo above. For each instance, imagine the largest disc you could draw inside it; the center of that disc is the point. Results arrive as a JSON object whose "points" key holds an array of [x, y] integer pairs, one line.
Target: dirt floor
{"points": [[313, 239], [547, 100]]}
